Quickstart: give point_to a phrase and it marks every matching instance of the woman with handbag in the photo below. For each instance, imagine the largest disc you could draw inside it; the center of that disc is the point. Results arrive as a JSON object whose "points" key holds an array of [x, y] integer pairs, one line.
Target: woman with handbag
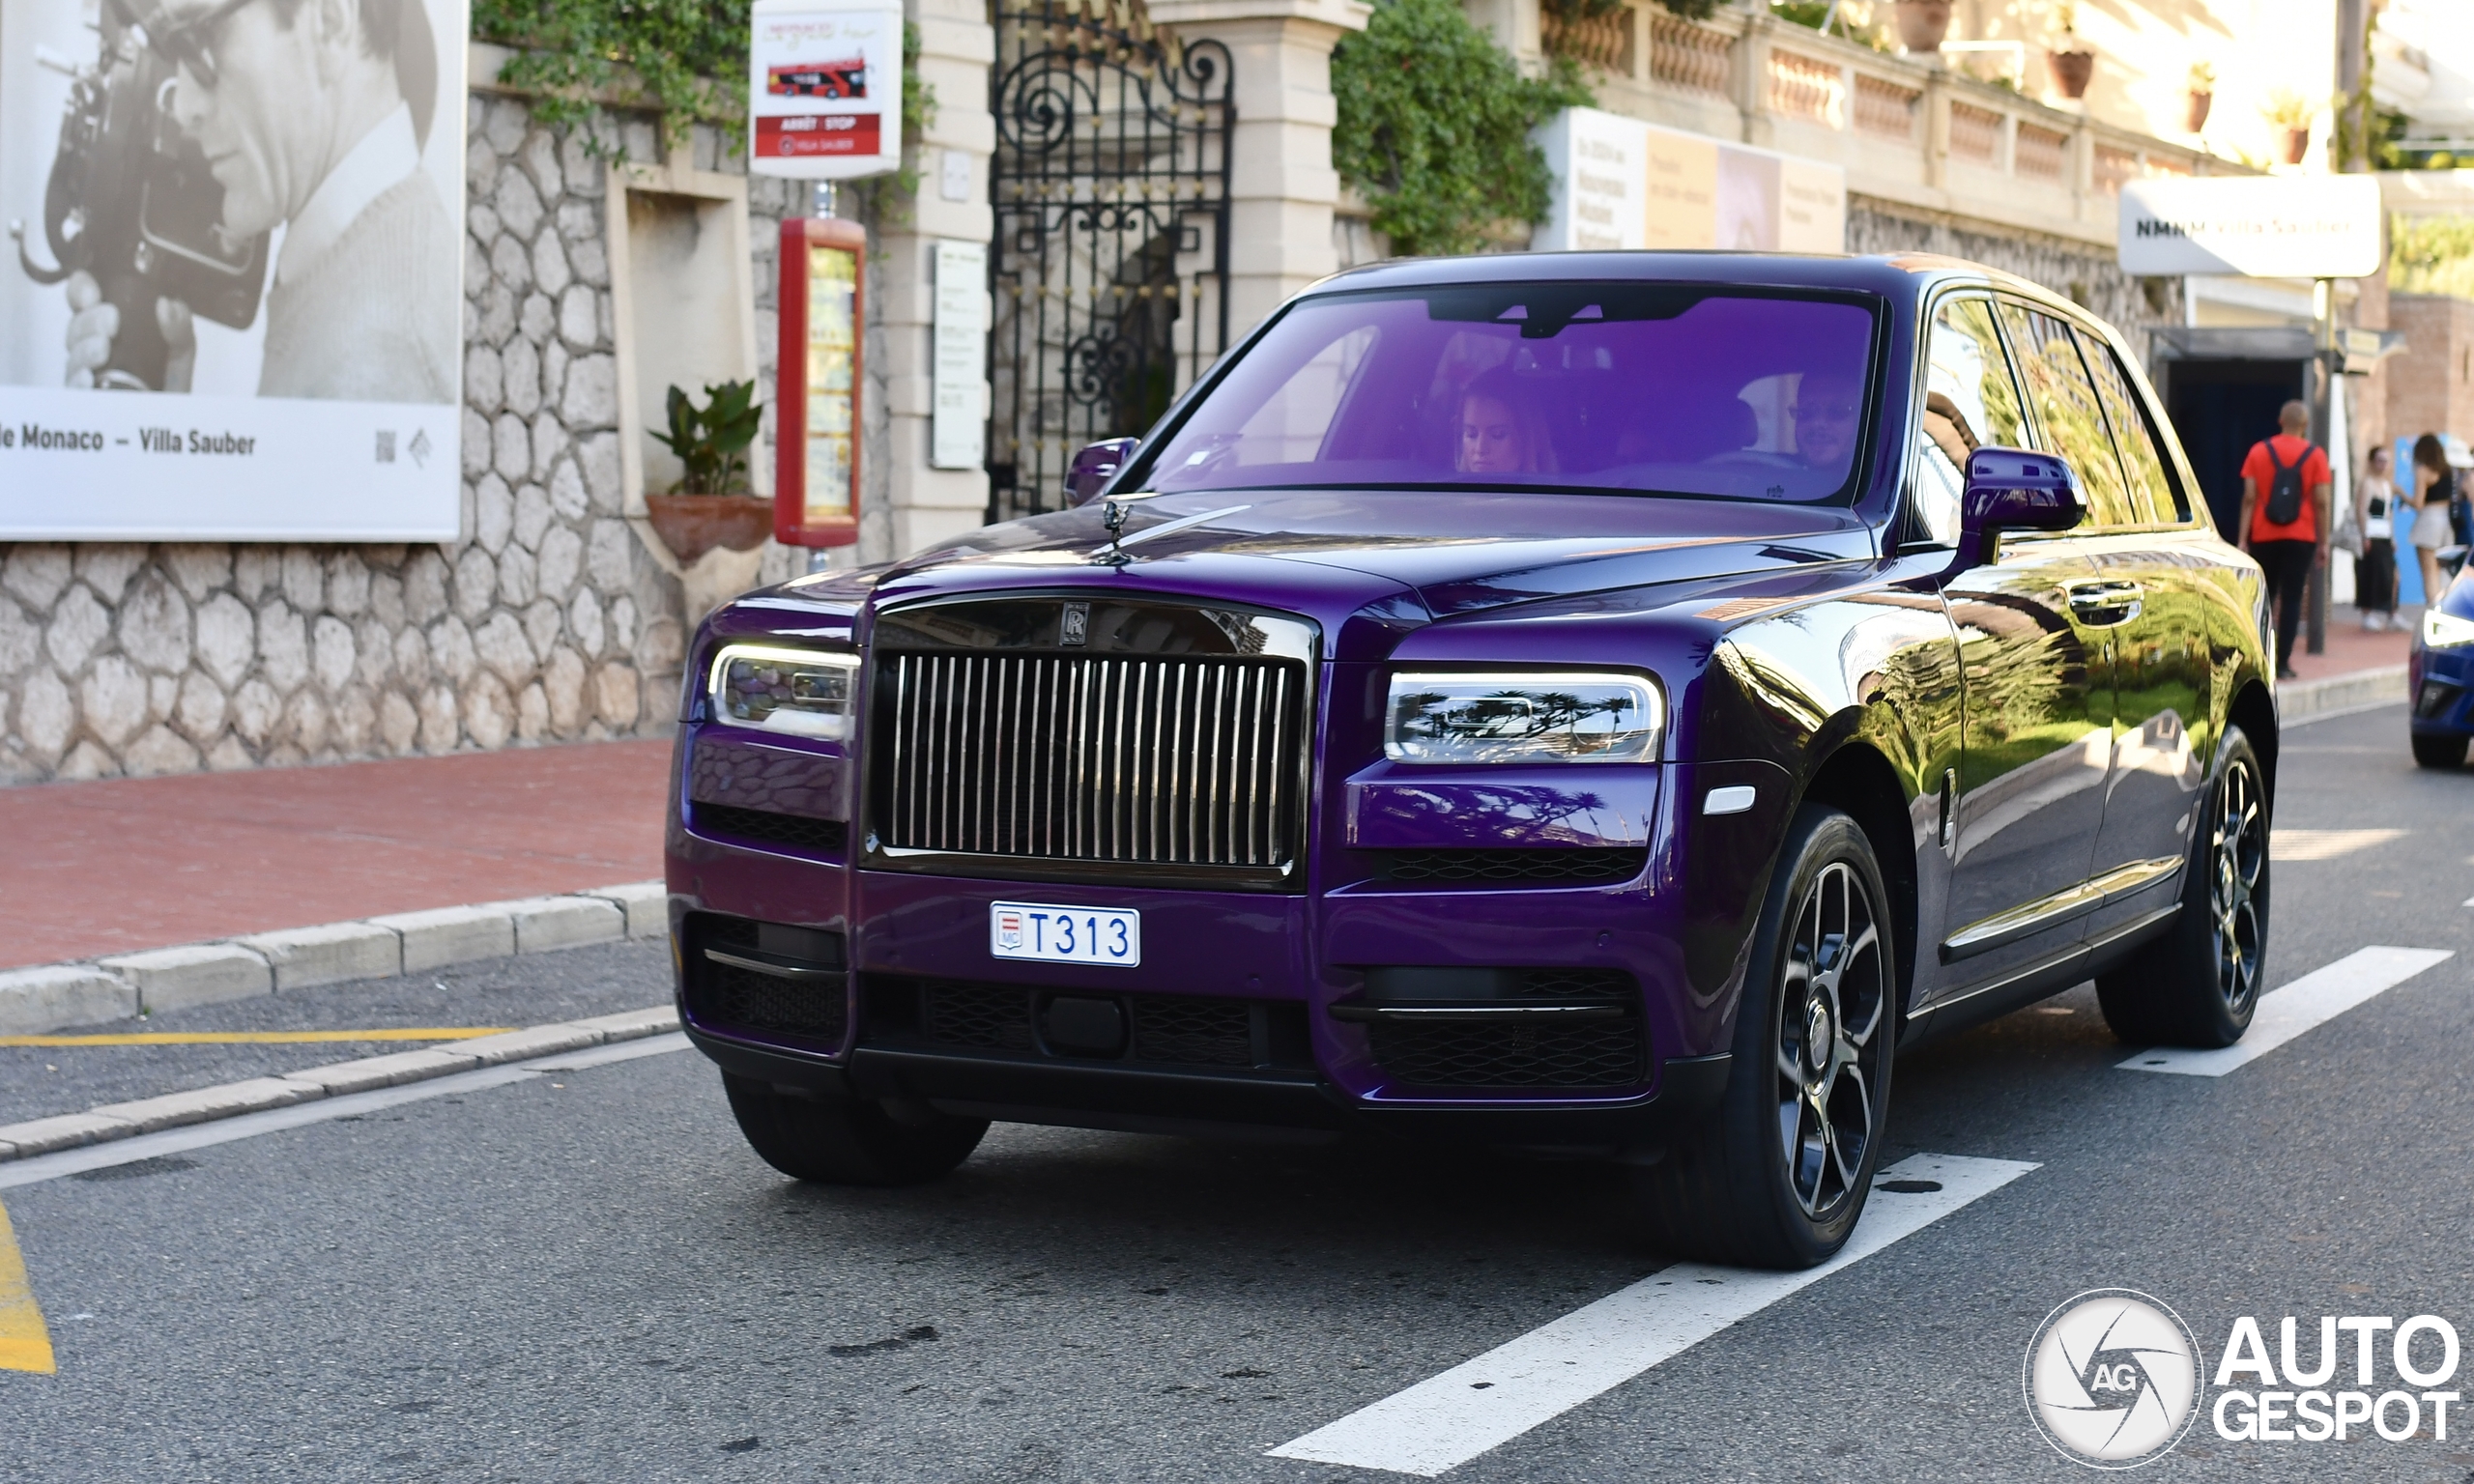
{"points": [[2375, 564]]}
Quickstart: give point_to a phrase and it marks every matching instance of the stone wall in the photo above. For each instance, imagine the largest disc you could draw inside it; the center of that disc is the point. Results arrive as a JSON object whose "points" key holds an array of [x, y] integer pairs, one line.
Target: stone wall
{"points": [[2431, 385], [552, 620], [2088, 277]]}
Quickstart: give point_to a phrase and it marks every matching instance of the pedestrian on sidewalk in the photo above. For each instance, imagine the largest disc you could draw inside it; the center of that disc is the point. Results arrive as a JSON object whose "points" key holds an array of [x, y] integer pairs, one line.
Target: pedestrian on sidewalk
{"points": [[2375, 568], [2435, 488], [2285, 524]]}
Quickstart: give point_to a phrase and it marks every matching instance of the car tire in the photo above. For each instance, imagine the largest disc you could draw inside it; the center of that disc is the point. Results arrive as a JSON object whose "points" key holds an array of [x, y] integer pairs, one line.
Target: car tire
{"points": [[2439, 752], [2199, 985], [848, 1143], [1776, 1175]]}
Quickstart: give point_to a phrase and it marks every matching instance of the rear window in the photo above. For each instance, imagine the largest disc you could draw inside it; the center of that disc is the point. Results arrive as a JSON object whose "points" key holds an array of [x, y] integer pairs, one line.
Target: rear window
{"points": [[1630, 388]]}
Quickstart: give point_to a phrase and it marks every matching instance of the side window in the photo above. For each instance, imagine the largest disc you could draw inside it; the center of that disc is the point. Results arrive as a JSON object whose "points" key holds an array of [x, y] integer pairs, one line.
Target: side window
{"points": [[1969, 402], [2151, 482], [2065, 403]]}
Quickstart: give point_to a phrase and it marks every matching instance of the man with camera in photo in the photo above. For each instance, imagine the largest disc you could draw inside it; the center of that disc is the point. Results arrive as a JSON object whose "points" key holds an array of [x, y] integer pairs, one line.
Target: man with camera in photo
{"points": [[312, 115]]}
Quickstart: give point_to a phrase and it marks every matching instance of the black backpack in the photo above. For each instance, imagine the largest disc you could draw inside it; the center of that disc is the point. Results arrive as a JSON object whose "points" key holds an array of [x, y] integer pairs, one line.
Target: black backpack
{"points": [[2285, 491]]}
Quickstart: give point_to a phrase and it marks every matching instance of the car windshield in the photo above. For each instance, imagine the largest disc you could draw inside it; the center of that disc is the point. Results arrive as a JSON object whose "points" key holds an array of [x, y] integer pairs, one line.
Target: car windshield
{"points": [[1637, 389]]}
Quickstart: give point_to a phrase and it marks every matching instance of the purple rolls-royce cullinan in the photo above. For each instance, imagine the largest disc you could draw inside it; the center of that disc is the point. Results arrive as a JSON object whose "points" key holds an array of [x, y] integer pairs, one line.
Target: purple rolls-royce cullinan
{"points": [[1604, 703]]}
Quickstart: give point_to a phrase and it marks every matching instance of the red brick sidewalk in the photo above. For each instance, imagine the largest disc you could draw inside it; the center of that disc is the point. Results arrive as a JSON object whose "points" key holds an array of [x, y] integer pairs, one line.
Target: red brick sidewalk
{"points": [[126, 864], [2350, 649]]}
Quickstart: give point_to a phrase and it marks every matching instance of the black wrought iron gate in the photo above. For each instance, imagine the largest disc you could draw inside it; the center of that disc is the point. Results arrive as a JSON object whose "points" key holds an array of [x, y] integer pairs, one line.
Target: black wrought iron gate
{"points": [[1110, 262]]}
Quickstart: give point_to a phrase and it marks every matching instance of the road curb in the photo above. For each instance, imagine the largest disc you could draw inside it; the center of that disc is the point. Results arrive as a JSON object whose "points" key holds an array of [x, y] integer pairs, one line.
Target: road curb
{"points": [[2304, 701], [58, 996], [230, 1100]]}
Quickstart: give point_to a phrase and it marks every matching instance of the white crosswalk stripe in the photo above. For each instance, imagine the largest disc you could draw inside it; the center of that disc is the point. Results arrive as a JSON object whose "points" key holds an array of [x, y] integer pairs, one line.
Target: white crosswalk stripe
{"points": [[2311, 1001], [1484, 1403]]}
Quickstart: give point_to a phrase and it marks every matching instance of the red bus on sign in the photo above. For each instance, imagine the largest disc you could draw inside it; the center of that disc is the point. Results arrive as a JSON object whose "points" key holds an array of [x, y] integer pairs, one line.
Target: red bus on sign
{"points": [[818, 79], [827, 134]]}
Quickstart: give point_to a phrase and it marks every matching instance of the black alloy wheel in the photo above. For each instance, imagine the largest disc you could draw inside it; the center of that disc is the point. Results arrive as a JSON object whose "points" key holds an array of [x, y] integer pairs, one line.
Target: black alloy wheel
{"points": [[1832, 1002], [2238, 856], [1776, 1175], [2198, 983]]}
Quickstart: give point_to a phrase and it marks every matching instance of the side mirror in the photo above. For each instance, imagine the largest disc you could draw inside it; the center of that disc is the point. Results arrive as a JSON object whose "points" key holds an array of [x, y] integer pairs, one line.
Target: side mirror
{"points": [[2014, 489], [1095, 466]]}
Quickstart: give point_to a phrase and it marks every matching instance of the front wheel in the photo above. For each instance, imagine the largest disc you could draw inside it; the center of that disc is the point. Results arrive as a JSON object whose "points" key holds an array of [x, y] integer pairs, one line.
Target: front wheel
{"points": [[2439, 752], [2199, 985], [848, 1143], [1776, 1175]]}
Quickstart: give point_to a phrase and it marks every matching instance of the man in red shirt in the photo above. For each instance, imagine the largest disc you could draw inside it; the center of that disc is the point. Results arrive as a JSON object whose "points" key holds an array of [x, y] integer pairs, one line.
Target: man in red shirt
{"points": [[2286, 489]]}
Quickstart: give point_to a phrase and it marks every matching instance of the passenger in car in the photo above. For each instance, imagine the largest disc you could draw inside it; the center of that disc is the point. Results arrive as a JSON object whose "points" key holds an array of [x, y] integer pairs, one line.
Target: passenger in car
{"points": [[1501, 430], [1826, 403]]}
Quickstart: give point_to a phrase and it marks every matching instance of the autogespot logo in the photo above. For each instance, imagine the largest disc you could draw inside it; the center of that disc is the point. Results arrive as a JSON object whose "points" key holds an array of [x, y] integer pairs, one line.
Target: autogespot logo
{"points": [[2113, 1378]]}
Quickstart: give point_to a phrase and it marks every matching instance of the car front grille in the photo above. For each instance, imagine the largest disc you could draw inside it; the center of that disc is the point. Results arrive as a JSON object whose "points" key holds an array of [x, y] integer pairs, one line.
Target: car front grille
{"points": [[1555, 867], [1113, 760], [1563, 1056], [825, 837]]}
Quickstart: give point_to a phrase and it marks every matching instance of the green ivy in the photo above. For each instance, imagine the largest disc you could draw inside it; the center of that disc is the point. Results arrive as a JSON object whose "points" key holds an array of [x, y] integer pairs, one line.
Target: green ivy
{"points": [[690, 55], [1434, 123]]}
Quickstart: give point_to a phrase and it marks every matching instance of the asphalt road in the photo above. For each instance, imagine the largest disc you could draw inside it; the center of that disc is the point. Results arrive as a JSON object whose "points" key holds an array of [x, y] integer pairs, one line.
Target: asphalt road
{"points": [[587, 1276]]}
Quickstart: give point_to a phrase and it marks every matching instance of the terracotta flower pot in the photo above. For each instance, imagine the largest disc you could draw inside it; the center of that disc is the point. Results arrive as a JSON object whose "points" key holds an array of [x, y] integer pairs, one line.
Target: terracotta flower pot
{"points": [[2072, 70], [2297, 143], [692, 525], [1922, 24], [2195, 107]]}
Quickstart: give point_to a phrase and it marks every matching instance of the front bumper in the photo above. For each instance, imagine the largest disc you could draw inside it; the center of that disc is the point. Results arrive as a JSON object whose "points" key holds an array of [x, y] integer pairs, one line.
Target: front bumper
{"points": [[2440, 685], [1153, 1102]]}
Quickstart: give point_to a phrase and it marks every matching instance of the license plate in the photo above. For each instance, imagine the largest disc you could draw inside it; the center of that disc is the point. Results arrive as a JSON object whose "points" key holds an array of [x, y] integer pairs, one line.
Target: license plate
{"points": [[1054, 934]]}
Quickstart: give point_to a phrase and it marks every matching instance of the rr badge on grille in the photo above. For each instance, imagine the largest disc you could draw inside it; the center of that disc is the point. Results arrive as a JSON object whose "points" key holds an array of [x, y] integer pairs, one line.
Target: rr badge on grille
{"points": [[1074, 629]]}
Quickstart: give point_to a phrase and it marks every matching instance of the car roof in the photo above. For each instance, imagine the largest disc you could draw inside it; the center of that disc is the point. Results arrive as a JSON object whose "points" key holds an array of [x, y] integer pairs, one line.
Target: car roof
{"points": [[1894, 275]]}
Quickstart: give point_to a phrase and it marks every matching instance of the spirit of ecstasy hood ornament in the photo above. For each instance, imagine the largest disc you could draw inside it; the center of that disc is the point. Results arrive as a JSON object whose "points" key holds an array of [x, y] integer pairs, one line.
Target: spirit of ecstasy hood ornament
{"points": [[1112, 519]]}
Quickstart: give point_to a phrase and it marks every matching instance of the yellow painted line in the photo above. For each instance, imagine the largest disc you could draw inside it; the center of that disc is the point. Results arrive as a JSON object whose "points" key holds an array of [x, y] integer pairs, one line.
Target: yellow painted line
{"points": [[257, 1037], [25, 1345]]}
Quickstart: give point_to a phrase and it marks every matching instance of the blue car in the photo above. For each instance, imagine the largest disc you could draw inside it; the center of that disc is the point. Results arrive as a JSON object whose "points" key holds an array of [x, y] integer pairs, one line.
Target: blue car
{"points": [[2440, 675]]}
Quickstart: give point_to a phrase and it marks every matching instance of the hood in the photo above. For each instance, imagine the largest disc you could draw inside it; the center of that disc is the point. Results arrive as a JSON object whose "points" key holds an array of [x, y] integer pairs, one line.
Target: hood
{"points": [[1448, 552]]}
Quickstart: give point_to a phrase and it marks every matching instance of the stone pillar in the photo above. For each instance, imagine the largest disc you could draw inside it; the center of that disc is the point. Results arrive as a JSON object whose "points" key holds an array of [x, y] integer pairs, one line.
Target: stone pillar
{"points": [[1517, 28], [1282, 183], [926, 505]]}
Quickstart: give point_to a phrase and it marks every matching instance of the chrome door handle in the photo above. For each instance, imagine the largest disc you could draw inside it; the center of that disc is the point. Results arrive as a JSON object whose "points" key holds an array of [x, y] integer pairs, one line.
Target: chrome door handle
{"points": [[2105, 603]]}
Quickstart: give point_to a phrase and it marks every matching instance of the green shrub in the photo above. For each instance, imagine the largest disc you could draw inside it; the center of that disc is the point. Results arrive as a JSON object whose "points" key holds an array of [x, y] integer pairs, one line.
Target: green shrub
{"points": [[711, 441], [1434, 125]]}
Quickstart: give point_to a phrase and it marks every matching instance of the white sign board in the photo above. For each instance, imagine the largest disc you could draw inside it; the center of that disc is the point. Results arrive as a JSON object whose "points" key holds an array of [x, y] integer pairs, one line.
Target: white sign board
{"points": [[824, 88], [193, 348], [1623, 184], [2324, 226], [958, 423]]}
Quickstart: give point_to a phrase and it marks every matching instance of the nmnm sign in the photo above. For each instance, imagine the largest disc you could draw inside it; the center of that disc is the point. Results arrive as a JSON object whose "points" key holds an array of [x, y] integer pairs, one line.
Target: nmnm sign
{"points": [[1620, 182], [2323, 226]]}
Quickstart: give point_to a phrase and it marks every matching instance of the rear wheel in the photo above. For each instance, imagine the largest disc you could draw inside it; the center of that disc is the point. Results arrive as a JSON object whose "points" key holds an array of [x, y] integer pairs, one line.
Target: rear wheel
{"points": [[2199, 985], [2439, 752], [848, 1143], [1776, 1175]]}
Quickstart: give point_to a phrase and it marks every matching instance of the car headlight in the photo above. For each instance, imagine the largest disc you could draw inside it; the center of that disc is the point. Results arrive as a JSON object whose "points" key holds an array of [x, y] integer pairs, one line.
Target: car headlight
{"points": [[800, 693], [2446, 631], [1529, 717]]}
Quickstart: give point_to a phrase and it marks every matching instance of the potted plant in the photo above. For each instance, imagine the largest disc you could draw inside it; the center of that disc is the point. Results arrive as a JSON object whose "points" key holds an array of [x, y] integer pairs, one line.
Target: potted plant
{"points": [[2073, 64], [711, 504], [2291, 112], [1923, 23], [2201, 97]]}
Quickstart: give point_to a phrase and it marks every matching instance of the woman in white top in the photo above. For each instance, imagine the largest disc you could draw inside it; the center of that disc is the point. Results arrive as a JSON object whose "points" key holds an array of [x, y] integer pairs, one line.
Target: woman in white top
{"points": [[2434, 486], [2375, 570]]}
